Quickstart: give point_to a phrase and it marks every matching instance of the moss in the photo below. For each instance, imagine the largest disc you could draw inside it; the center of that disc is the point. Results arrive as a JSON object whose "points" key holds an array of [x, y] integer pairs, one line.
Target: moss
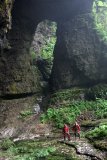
{"points": [[102, 145], [13, 88], [90, 123], [67, 95], [58, 157]]}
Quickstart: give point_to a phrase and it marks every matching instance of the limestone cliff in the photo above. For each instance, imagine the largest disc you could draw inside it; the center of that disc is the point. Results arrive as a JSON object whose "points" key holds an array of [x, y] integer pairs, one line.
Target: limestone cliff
{"points": [[5, 19], [80, 55]]}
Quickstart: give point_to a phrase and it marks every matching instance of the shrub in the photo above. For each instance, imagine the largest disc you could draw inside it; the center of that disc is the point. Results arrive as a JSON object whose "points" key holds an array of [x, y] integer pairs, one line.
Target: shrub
{"points": [[98, 133], [6, 143], [66, 106]]}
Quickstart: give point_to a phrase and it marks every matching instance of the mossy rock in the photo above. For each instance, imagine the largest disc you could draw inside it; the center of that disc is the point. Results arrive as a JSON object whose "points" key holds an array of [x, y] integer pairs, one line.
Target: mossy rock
{"points": [[55, 158], [97, 91], [89, 123], [102, 145], [67, 95]]}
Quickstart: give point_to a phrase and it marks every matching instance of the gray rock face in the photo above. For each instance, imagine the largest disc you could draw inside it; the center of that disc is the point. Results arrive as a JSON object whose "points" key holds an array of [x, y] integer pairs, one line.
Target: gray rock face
{"points": [[5, 21], [80, 56]]}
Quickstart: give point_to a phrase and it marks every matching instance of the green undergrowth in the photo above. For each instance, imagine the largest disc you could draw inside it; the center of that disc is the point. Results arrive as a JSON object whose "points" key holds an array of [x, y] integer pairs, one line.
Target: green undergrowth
{"points": [[26, 150], [98, 91], [65, 106], [35, 150], [98, 136], [67, 95], [90, 123], [25, 114], [101, 144], [99, 132], [100, 18]]}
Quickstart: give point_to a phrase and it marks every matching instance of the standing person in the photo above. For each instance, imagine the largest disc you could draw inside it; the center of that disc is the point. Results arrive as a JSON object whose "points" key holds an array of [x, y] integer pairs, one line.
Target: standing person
{"points": [[66, 132], [76, 129]]}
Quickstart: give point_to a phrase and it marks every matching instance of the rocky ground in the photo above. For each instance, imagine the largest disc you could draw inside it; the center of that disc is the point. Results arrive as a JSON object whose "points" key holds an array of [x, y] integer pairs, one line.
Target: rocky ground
{"points": [[35, 131], [28, 129]]}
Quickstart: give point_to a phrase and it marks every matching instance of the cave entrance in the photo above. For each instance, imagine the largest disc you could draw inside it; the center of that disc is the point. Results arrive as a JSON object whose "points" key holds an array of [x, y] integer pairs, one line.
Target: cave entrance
{"points": [[42, 48]]}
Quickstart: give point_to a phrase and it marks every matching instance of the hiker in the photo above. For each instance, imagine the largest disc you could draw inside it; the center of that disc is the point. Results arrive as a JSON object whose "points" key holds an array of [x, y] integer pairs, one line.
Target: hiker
{"points": [[76, 130], [66, 132]]}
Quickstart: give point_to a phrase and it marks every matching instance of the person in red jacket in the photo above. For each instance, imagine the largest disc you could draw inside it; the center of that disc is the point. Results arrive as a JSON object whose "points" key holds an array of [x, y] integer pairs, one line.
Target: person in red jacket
{"points": [[76, 129], [66, 132]]}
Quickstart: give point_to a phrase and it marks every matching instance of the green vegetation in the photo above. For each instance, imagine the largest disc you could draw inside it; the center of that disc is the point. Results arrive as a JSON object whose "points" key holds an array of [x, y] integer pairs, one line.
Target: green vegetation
{"points": [[65, 108], [68, 113], [100, 17], [38, 149], [47, 50], [45, 46], [98, 136], [96, 123], [26, 113], [98, 133], [28, 150], [6, 144], [98, 91]]}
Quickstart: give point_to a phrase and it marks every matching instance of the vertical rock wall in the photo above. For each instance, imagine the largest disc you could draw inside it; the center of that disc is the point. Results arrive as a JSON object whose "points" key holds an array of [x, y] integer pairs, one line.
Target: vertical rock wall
{"points": [[5, 20], [80, 55], [17, 75]]}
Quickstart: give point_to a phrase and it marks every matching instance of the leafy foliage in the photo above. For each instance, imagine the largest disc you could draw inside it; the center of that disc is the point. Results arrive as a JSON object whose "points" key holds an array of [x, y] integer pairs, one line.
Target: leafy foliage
{"points": [[26, 150], [47, 50], [98, 91], [26, 113], [98, 136], [100, 17], [98, 133], [6, 143], [67, 106]]}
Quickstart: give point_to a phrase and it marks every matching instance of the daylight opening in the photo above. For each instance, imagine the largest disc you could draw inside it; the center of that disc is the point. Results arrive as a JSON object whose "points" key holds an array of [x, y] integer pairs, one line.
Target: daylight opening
{"points": [[100, 18], [43, 46]]}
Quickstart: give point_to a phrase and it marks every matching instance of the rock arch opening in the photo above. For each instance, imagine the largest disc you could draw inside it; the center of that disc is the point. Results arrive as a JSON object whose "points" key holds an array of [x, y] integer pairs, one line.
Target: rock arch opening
{"points": [[42, 48], [72, 59]]}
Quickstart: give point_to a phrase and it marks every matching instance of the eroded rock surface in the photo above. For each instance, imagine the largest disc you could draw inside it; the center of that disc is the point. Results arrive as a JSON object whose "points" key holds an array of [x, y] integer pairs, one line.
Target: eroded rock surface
{"points": [[80, 56], [85, 148]]}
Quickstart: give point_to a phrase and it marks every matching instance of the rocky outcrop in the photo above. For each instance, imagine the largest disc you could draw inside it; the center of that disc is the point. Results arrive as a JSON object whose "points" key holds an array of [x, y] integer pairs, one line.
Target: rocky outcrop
{"points": [[18, 76], [5, 20], [80, 55]]}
